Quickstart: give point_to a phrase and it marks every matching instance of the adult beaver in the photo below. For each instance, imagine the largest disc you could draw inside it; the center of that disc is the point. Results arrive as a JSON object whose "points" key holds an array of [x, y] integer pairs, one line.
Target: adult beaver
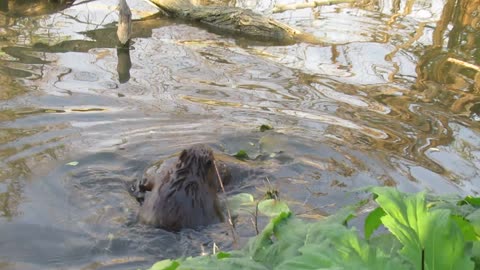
{"points": [[183, 191]]}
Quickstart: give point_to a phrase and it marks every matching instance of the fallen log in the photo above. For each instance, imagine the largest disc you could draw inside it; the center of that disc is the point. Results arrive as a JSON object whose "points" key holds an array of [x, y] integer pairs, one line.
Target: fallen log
{"points": [[233, 20]]}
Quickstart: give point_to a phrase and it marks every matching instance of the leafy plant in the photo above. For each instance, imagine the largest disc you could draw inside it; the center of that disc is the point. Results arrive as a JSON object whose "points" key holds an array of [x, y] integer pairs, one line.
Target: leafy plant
{"points": [[265, 127], [428, 233], [241, 155], [431, 239]]}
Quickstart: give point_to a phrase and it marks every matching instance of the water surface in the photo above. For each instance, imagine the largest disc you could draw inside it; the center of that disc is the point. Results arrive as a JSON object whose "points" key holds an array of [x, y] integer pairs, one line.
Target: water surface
{"points": [[389, 97]]}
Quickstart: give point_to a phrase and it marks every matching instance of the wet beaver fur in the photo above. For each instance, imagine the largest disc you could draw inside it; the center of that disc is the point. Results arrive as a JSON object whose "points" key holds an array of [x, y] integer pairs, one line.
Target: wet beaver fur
{"points": [[183, 191]]}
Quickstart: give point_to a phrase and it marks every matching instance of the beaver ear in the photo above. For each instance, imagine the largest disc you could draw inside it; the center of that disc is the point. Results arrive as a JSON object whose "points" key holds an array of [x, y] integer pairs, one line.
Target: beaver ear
{"points": [[183, 155]]}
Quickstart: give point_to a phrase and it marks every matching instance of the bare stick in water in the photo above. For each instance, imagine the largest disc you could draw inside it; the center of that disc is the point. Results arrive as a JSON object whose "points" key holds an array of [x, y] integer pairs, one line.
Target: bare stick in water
{"points": [[281, 8], [230, 222]]}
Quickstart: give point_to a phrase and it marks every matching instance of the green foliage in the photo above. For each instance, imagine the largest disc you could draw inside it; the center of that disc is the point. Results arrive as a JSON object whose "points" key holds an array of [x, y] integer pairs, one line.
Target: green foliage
{"points": [[222, 255], [431, 239], [474, 201], [242, 202], [165, 265], [373, 221], [419, 232], [272, 207], [265, 127], [241, 155]]}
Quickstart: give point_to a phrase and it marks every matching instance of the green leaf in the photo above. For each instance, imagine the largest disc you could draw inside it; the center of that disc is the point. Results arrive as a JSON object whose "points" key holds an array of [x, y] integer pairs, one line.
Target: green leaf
{"points": [[476, 253], [165, 265], [241, 155], [342, 216], [475, 201], [258, 246], [241, 202], [467, 229], [434, 237], [333, 246], [223, 255], [474, 219], [272, 207], [373, 221], [387, 243], [73, 163], [213, 263], [264, 128], [432, 233]]}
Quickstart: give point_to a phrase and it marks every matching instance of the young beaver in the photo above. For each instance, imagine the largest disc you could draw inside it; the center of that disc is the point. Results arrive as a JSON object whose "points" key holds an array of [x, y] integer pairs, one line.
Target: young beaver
{"points": [[183, 191]]}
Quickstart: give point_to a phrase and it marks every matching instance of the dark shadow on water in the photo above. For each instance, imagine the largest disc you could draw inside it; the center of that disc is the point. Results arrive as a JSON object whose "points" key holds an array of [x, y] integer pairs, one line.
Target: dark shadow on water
{"points": [[124, 64]]}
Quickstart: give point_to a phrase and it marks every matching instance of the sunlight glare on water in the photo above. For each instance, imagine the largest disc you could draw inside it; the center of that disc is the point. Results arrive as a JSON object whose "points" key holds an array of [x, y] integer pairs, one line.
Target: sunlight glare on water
{"points": [[377, 93]]}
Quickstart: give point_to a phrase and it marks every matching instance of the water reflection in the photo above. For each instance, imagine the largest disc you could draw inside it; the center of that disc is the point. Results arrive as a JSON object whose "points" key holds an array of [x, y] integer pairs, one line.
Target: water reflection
{"points": [[454, 63], [124, 64], [393, 101], [30, 8]]}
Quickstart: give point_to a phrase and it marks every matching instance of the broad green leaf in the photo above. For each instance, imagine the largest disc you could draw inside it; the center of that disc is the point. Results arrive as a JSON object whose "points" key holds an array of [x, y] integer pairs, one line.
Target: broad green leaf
{"points": [[335, 246], [386, 242], [445, 234], [476, 253], [241, 202], [373, 221], [165, 265], [420, 231], [467, 229], [475, 201], [401, 220], [474, 219], [456, 209], [272, 207], [258, 247], [212, 263], [443, 242]]}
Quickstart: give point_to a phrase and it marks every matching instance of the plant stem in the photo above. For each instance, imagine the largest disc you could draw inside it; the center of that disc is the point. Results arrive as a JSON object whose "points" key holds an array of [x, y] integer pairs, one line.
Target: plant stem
{"points": [[230, 222]]}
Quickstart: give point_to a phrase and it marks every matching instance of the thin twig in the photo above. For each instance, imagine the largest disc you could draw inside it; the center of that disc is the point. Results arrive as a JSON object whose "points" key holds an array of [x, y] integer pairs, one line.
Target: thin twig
{"points": [[281, 8], [234, 235]]}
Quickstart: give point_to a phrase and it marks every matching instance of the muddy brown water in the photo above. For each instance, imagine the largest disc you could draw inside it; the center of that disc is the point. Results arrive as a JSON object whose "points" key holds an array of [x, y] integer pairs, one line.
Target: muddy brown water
{"points": [[391, 97]]}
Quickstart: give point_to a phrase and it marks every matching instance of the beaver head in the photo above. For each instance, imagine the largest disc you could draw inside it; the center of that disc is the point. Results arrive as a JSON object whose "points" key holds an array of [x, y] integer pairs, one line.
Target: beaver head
{"points": [[196, 162], [184, 196]]}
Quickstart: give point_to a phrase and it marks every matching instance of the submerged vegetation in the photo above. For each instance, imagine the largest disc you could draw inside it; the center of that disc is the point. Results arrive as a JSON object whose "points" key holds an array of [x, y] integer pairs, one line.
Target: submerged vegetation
{"points": [[419, 231]]}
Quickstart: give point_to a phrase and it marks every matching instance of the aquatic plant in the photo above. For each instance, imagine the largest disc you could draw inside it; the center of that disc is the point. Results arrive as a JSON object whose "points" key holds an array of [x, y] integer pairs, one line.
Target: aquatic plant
{"points": [[419, 231]]}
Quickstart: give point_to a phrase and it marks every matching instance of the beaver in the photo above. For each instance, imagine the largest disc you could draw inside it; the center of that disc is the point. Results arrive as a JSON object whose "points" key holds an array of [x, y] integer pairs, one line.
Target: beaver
{"points": [[183, 191]]}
